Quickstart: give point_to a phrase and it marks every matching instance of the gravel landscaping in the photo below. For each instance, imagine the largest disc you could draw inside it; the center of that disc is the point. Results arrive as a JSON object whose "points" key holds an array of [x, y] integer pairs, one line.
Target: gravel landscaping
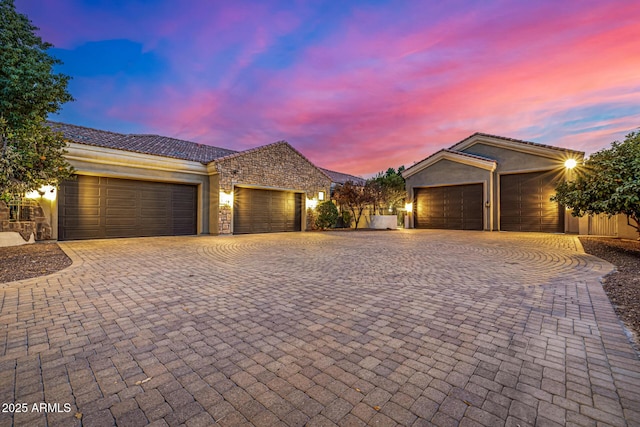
{"points": [[27, 261], [623, 285]]}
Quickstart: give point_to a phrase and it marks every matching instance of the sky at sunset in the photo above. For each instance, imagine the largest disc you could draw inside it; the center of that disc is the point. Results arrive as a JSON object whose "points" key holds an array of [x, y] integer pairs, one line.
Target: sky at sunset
{"points": [[357, 86]]}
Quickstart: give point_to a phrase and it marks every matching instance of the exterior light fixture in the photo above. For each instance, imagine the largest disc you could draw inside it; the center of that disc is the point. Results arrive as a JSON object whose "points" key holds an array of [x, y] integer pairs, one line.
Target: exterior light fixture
{"points": [[49, 192], [46, 191], [321, 195], [35, 194], [226, 199], [408, 207], [570, 163], [312, 203]]}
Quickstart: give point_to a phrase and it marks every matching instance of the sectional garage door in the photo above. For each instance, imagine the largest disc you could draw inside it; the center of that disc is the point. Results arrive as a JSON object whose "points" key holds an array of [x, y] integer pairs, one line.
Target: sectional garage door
{"points": [[525, 204], [456, 207], [266, 211], [97, 207]]}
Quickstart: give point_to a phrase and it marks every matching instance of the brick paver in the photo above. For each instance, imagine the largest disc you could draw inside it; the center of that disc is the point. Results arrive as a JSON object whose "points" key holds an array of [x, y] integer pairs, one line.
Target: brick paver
{"points": [[409, 327]]}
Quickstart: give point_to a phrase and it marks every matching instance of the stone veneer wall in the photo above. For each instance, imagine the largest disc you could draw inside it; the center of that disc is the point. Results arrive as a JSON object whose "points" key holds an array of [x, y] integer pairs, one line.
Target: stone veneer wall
{"points": [[277, 166], [38, 225]]}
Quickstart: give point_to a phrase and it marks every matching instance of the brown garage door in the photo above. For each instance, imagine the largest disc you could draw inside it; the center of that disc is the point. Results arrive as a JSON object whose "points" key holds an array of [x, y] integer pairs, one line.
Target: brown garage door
{"points": [[93, 207], [525, 204], [455, 207], [266, 211]]}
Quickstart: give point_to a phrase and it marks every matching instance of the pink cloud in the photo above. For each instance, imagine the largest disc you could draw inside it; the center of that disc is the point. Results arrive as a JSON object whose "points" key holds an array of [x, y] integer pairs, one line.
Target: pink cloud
{"points": [[378, 86]]}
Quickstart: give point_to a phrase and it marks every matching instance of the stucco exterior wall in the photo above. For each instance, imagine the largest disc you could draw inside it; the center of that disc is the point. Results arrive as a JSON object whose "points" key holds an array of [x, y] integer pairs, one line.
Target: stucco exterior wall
{"points": [[276, 166], [516, 161], [447, 172]]}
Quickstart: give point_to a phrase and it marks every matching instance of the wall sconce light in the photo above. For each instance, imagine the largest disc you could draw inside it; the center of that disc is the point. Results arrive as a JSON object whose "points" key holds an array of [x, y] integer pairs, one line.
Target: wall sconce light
{"points": [[408, 207], [570, 163], [312, 203], [49, 192], [226, 199], [321, 195], [46, 191], [487, 203], [35, 194]]}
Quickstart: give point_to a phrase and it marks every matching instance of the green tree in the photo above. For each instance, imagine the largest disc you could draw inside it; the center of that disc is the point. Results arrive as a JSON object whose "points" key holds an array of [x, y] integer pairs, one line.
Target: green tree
{"points": [[608, 182], [356, 198], [388, 190], [31, 152]]}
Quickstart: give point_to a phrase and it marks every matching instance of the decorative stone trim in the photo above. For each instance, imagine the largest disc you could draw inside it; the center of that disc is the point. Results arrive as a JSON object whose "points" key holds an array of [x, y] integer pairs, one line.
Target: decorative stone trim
{"points": [[275, 166], [38, 225]]}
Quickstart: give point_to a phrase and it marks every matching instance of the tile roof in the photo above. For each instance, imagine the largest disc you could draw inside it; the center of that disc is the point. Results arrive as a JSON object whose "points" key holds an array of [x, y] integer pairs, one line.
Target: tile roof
{"points": [[170, 147], [473, 156], [341, 178], [146, 144], [519, 141]]}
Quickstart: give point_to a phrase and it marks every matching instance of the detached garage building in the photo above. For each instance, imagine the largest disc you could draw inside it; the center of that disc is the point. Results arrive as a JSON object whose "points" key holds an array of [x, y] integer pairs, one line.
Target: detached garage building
{"points": [[488, 182], [150, 185]]}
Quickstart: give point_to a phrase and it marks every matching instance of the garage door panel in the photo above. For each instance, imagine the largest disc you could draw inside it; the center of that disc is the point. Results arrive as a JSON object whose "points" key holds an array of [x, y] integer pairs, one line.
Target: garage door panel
{"points": [[100, 207], [183, 202], [182, 213], [76, 212], [122, 221], [266, 211], [525, 203], [153, 204], [456, 207], [70, 222]]}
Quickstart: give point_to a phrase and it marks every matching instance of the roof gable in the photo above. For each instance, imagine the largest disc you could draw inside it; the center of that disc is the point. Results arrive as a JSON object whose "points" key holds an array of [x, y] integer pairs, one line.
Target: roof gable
{"points": [[165, 146], [454, 156], [271, 146], [513, 144]]}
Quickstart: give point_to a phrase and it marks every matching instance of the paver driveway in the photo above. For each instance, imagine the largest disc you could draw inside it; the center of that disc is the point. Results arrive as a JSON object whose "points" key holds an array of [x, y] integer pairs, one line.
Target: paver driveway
{"points": [[381, 328]]}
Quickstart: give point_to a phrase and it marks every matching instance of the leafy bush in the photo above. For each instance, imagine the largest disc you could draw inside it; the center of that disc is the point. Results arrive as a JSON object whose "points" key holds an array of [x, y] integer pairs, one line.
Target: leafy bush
{"points": [[327, 215], [608, 182]]}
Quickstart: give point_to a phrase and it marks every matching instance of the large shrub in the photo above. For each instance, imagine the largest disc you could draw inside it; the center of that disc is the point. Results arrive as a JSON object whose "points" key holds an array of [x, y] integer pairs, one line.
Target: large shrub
{"points": [[327, 215]]}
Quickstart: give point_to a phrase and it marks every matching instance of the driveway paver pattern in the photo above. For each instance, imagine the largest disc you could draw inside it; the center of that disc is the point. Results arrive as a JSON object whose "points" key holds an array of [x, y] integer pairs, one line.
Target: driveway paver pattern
{"points": [[410, 327]]}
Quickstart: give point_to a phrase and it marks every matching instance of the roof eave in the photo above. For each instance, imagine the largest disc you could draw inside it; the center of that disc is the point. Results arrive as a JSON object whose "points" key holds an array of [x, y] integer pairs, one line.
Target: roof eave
{"points": [[516, 145], [446, 154]]}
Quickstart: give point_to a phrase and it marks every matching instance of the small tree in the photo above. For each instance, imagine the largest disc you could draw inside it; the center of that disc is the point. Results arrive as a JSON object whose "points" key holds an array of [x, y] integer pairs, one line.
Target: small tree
{"points": [[31, 154], [356, 198], [388, 190], [608, 182], [327, 215]]}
